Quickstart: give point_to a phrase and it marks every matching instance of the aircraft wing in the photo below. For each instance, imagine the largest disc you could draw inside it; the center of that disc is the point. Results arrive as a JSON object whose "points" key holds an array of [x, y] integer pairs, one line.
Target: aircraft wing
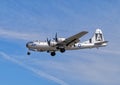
{"points": [[72, 40]]}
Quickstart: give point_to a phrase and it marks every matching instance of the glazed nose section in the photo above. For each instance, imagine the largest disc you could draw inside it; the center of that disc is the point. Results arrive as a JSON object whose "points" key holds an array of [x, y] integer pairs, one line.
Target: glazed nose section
{"points": [[28, 44]]}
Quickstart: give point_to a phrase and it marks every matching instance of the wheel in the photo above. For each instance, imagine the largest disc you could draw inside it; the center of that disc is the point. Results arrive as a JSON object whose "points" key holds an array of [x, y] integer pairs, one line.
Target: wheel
{"points": [[53, 53], [28, 53], [62, 50]]}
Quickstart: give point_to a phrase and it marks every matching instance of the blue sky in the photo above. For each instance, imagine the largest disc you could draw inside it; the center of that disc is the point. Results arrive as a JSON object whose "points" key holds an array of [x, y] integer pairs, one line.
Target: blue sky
{"points": [[25, 20]]}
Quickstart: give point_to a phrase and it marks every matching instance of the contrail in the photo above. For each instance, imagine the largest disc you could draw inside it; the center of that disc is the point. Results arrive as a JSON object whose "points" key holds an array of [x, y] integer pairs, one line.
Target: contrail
{"points": [[36, 71]]}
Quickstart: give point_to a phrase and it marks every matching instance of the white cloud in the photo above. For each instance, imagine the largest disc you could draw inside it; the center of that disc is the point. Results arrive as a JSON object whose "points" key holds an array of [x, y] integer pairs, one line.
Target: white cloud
{"points": [[85, 67], [18, 35], [111, 52], [92, 68], [36, 71]]}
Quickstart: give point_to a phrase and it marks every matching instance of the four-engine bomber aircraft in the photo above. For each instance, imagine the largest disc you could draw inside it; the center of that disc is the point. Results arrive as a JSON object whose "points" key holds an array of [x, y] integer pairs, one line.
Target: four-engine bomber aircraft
{"points": [[70, 43]]}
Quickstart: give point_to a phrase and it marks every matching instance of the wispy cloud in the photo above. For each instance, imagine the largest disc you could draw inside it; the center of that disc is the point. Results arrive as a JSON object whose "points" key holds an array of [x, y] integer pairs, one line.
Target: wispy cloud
{"points": [[18, 35], [36, 71], [100, 69], [113, 52]]}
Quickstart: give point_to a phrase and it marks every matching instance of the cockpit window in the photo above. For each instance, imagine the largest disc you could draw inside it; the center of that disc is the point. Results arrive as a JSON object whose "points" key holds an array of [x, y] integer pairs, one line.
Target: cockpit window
{"points": [[31, 42]]}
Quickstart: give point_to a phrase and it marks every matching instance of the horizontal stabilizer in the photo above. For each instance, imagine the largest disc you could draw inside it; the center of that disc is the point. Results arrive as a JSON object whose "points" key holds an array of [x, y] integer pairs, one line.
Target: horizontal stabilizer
{"points": [[99, 43]]}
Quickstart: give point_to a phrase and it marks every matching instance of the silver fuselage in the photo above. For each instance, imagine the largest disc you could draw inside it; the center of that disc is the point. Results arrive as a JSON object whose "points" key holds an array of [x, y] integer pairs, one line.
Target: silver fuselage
{"points": [[43, 46]]}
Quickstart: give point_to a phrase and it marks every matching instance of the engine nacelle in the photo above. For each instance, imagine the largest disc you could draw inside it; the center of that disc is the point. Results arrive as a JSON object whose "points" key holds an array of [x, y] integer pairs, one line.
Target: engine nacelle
{"points": [[61, 39], [53, 43]]}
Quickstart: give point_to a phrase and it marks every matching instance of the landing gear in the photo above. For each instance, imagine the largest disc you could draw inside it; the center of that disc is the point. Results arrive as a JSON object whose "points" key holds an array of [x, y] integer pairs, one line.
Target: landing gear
{"points": [[62, 50], [28, 53], [53, 53]]}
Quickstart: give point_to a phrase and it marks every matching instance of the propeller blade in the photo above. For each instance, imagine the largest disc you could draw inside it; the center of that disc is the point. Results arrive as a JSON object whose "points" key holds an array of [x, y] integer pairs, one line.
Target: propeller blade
{"points": [[48, 41], [56, 38]]}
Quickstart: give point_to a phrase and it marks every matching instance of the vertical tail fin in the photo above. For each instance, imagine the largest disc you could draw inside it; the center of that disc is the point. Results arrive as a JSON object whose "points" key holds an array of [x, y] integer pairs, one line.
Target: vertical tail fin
{"points": [[98, 37]]}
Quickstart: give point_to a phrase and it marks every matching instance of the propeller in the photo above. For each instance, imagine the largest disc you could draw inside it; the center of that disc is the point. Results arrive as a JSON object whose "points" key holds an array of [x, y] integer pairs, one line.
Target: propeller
{"points": [[48, 41], [56, 38]]}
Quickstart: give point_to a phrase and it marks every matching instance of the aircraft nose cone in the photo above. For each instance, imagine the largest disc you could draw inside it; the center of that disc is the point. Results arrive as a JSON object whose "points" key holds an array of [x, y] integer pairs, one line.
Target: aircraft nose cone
{"points": [[27, 45]]}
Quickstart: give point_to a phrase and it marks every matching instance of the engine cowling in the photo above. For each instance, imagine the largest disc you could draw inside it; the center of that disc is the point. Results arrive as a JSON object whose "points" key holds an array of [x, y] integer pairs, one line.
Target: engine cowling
{"points": [[61, 39]]}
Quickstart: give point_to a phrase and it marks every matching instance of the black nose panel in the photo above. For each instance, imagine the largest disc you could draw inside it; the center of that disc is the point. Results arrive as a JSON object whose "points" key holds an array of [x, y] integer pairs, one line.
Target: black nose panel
{"points": [[27, 45]]}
